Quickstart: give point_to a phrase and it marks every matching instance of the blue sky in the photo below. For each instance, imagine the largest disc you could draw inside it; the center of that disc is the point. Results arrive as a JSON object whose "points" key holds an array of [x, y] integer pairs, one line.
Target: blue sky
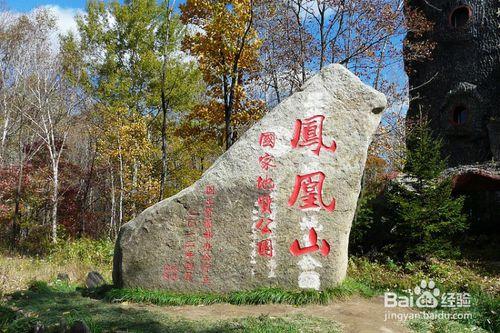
{"points": [[27, 5], [65, 11]]}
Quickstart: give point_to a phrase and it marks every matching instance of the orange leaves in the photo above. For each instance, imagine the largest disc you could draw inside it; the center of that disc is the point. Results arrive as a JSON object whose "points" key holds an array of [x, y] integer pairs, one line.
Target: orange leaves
{"points": [[418, 47], [222, 36], [223, 39]]}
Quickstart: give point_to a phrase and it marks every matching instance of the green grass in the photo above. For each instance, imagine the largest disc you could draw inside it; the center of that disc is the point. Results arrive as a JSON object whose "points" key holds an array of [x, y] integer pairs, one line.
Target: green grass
{"points": [[476, 278], [51, 303], [252, 297], [442, 326], [56, 305], [483, 318], [86, 251]]}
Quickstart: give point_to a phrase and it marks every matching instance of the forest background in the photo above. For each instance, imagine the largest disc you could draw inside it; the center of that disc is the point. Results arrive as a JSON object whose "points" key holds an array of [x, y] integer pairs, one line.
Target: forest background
{"points": [[110, 108], [131, 106]]}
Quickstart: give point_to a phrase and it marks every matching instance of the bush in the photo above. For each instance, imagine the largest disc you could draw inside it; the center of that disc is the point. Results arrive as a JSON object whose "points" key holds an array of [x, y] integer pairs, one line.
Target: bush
{"points": [[371, 229], [427, 218], [36, 241], [23, 325], [449, 276], [416, 217], [427, 221], [86, 251], [7, 316]]}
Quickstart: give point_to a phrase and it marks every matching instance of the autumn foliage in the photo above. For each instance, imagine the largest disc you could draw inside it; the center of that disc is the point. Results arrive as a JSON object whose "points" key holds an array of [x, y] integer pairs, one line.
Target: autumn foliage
{"points": [[227, 47], [143, 98]]}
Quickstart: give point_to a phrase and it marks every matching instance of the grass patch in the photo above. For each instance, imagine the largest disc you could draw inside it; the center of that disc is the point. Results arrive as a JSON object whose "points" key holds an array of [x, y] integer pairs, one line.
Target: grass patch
{"points": [[448, 275], [75, 258], [265, 324], [485, 311], [7, 316], [52, 305], [252, 297], [442, 326], [86, 251], [365, 278], [480, 280]]}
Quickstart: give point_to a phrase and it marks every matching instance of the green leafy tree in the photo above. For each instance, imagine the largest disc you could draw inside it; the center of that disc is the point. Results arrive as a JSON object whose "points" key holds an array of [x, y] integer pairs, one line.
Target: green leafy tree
{"points": [[129, 57], [427, 218]]}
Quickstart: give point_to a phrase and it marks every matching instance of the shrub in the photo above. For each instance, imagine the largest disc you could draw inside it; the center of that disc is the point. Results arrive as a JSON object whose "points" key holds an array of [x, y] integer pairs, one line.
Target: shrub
{"points": [[417, 216], [85, 251], [427, 218], [7, 316]]}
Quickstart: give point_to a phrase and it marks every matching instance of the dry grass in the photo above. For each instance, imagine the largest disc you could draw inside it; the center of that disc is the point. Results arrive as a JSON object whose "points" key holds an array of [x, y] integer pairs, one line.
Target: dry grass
{"points": [[448, 274], [75, 259], [17, 272]]}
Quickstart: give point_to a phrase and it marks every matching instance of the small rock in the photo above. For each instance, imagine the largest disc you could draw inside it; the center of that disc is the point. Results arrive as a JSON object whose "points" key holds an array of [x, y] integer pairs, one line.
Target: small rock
{"points": [[63, 277], [94, 280], [79, 327], [39, 328], [63, 326]]}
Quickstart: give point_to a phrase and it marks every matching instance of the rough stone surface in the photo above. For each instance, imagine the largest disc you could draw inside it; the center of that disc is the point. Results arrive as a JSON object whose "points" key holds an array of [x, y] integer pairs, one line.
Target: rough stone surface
{"points": [[94, 280], [476, 177], [208, 237]]}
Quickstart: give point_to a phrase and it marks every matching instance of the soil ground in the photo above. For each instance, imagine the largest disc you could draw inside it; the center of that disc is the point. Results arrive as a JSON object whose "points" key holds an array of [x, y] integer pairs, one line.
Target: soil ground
{"points": [[356, 314]]}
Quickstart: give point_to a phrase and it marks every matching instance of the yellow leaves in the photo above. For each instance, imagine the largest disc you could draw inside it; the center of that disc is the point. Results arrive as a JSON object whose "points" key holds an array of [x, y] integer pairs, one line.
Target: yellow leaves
{"points": [[125, 147], [227, 47], [227, 36]]}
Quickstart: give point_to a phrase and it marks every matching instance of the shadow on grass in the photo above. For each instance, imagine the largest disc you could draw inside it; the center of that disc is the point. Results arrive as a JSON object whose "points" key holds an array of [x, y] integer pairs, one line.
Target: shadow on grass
{"points": [[49, 305]]}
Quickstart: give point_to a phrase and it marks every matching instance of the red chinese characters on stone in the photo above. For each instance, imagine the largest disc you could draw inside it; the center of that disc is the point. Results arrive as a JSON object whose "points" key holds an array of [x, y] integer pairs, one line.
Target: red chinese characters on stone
{"points": [[311, 186], [210, 190], [263, 225], [170, 273], [267, 139], [309, 132], [265, 248], [266, 184], [324, 249], [264, 203], [266, 161]]}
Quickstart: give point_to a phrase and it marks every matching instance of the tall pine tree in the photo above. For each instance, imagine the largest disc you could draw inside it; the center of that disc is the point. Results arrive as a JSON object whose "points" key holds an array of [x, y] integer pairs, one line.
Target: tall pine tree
{"points": [[427, 219]]}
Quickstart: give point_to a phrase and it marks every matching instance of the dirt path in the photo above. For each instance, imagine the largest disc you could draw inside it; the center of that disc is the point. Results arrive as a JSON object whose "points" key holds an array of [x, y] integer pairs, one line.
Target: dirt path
{"points": [[356, 315]]}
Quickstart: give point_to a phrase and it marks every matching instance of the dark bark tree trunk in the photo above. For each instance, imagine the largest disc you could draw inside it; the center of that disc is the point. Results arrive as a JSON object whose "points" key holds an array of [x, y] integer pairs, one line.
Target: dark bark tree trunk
{"points": [[164, 165]]}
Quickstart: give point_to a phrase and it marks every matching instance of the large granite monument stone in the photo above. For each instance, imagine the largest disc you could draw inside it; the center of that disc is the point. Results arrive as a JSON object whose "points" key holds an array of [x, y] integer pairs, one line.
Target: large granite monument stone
{"points": [[274, 210]]}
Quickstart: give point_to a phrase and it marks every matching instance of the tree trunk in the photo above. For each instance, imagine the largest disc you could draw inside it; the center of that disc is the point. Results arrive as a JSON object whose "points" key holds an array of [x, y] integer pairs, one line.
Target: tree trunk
{"points": [[4, 138], [84, 208], [276, 87], [17, 201], [17, 204], [164, 166], [229, 129], [322, 35], [120, 199], [55, 193], [112, 231]]}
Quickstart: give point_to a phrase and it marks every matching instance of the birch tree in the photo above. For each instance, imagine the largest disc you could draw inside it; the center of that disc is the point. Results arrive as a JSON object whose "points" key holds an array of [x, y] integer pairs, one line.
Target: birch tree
{"points": [[52, 101]]}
